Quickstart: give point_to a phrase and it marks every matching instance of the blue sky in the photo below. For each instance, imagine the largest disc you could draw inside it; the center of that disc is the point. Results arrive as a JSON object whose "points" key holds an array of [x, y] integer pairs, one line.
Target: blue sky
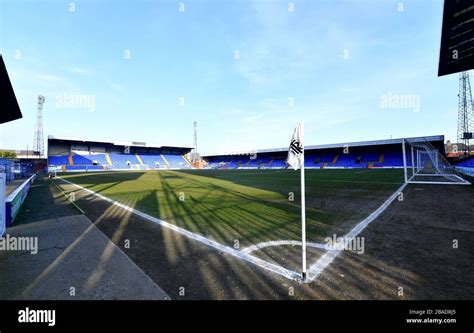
{"points": [[246, 71]]}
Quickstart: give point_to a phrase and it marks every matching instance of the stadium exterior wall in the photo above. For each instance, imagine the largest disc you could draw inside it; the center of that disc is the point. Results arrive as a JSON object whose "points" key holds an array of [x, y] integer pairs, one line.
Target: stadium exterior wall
{"points": [[14, 201]]}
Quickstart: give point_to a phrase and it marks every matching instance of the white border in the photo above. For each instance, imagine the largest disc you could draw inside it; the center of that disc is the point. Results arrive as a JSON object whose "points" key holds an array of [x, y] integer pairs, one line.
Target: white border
{"points": [[263, 245]]}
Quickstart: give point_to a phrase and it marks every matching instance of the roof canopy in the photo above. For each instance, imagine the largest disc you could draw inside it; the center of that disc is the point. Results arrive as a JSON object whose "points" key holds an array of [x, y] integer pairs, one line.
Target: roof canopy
{"points": [[8, 103], [114, 143], [339, 145]]}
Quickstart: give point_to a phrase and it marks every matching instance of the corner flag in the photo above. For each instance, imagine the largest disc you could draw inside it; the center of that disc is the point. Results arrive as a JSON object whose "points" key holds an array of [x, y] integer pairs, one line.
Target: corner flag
{"points": [[296, 150], [296, 161]]}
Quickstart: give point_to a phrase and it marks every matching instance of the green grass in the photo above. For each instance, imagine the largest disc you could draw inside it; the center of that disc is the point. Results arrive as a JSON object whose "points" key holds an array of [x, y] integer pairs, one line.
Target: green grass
{"points": [[249, 205]]}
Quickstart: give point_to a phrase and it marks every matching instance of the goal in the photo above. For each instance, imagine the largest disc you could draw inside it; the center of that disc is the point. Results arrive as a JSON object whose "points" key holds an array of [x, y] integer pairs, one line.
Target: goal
{"points": [[424, 164]]}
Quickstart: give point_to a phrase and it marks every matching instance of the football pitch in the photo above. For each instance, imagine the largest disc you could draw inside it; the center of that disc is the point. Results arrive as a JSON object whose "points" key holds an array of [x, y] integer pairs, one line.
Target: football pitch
{"points": [[241, 208]]}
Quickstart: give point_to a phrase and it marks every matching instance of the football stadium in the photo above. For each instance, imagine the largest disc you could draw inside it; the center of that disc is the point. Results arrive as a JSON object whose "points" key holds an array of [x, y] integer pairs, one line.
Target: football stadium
{"points": [[355, 205], [240, 214]]}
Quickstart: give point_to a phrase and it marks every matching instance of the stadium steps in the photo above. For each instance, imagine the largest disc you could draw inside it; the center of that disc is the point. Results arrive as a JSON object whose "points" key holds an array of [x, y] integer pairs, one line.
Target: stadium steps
{"points": [[107, 157], [165, 160], [187, 161], [71, 161], [139, 159], [381, 158], [334, 160]]}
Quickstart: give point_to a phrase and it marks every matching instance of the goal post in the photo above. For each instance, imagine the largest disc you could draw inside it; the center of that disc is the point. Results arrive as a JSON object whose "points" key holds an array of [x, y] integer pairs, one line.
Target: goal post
{"points": [[424, 164]]}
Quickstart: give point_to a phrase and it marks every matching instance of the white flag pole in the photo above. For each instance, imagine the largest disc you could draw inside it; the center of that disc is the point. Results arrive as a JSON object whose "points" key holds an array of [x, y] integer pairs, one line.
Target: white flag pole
{"points": [[303, 210]]}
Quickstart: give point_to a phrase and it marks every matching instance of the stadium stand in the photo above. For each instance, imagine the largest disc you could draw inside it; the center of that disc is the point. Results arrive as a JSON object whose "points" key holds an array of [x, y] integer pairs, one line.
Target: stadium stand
{"points": [[58, 160], [80, 160], [65, 154], [466, 166], [122, 161], [99, 159], [176, 161], [153, 161], [82, 155], [466, 162], [368, 154]]}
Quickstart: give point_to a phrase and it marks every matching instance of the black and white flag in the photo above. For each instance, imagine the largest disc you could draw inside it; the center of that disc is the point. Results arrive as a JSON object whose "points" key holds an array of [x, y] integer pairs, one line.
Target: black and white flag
{"points": [[296, 151]]}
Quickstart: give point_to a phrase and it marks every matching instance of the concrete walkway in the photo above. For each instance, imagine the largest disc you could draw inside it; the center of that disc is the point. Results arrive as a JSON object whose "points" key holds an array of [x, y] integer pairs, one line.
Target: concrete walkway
{"points": [[73, 257], [13, 185]]}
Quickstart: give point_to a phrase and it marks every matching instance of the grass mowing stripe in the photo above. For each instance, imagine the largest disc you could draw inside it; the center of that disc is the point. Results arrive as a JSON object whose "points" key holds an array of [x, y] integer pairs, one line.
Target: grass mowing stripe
{"points": [[289, 274], [324, 181]]}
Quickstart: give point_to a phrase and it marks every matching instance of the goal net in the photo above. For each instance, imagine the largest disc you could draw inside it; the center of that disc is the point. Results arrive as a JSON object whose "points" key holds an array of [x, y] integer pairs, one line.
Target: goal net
{"points": [[423, 163]]}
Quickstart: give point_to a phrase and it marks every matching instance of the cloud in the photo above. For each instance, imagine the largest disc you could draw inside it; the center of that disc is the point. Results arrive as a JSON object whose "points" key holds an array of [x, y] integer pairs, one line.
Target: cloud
{"points": [[78, 70], [47, 77], [254, 117], [116, 86]]}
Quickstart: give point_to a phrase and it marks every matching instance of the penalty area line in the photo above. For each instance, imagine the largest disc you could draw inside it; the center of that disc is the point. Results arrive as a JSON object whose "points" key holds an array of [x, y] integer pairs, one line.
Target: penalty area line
{"points": [[211, 243], [263, 245], [326, 259]]}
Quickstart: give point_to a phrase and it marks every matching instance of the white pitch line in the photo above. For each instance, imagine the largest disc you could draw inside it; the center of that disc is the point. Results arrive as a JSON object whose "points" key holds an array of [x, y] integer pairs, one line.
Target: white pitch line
{"points": [[236, 253], [318, 267], [260, 246]]}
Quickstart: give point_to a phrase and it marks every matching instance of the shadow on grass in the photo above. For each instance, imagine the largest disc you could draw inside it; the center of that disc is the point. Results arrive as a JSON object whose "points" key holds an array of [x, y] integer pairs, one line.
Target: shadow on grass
{"points": [[187, 269], [184, 268], [44, 202]]}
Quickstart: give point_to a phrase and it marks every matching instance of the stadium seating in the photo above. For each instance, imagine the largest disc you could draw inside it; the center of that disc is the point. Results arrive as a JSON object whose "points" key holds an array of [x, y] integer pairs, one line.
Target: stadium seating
{"points": [[466, 163], [78, 160], [351, 160], [279, 163], [81, 160], [357, 157], [118, 161], [58, 160], [153, 161], [123, 161], [391, 159], [98, 159], [176, 161]]}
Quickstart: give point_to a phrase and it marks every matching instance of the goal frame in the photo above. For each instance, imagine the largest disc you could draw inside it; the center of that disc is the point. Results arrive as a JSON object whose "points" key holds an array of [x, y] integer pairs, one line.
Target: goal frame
{"points": [[445, 171]]}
